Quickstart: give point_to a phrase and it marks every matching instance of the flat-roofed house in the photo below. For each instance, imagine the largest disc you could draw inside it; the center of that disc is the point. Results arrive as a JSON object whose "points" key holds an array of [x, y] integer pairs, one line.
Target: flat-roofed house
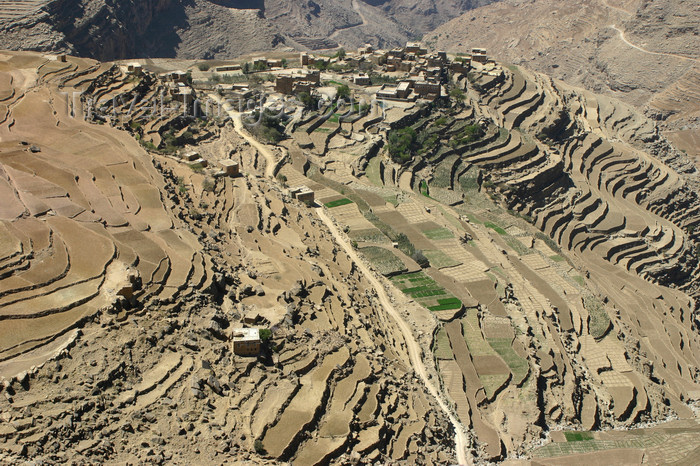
{"points": [[246, 341], [230, 167], [303, 194]]}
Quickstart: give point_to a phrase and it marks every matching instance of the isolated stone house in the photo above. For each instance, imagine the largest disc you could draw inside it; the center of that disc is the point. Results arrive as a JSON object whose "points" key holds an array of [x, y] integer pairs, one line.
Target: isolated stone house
{"points": [[134, 68], [303, 194], [230, 167], [246, 341], [361, 79]]}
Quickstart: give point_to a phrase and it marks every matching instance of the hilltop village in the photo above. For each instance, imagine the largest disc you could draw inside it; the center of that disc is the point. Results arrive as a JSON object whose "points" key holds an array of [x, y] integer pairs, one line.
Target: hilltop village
{"points": [[358, 257]]}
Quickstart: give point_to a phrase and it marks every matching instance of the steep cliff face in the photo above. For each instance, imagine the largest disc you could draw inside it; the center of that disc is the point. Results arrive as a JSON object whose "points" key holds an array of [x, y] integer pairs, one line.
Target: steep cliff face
{"points": [[111, 29]]}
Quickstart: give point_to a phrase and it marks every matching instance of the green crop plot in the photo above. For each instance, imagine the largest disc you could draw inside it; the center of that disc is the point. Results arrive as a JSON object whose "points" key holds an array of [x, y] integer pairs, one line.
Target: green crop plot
{"points": [[578, 436], [426, 292], [447, 304], [495, 228], [439, 259], [438, 234], [338, 203]]}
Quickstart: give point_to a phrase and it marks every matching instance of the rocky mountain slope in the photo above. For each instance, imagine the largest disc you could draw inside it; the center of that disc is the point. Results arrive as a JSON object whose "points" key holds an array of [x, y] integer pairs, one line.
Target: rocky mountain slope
{"points": [[107, 29], [129, 273], [645, 53], [556, 229]]}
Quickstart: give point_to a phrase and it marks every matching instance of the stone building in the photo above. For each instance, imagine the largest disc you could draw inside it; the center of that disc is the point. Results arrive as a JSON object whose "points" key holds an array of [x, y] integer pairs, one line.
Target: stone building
{"points": [[246, 341], [230, 167]]}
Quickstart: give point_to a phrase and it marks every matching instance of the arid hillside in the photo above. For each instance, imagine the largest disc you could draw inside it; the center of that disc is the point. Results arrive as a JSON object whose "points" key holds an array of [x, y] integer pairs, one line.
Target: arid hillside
{"points": [[124, 274], [501, 268], [107, 29], [644, 53]]}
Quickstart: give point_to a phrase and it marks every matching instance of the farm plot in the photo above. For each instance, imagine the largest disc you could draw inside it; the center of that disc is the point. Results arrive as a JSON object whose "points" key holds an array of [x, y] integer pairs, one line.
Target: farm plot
{"points": [[493, 372], [441, 346], [438, 234], [338, 203], [369, 235], [426, 292], [439, 259], [383, 260]]}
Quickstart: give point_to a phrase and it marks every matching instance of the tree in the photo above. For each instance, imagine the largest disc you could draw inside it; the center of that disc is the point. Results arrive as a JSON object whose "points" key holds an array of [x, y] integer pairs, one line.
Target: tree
{"points": [[309, 101], [259, 447], [340, 53], [284, 63], [343, 91], [402, 144], [245, 68], [458, 94], [265, 334]]}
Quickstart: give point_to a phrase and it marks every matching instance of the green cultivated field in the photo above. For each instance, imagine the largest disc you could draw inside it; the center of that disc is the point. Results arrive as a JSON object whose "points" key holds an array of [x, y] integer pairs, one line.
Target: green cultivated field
{"points": [[426, 292], [338, 203], [438, 233], [439, 259]]}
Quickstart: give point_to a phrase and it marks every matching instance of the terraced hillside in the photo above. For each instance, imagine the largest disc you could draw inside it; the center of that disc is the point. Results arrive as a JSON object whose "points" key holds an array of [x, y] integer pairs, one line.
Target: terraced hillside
{"points": [[644, 53], [10, 10], [551, 234], [589, 181], [124, 274]]}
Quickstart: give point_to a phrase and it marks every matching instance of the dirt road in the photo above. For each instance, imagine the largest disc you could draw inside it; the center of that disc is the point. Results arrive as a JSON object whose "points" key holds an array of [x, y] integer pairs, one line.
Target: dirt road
{"points": [[624, 39], [238, 126], [362, 18], [414, 349]]}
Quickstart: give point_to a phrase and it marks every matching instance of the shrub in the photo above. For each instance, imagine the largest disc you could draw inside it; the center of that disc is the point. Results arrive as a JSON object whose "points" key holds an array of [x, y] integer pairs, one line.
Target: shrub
{"points": [[203, 67], [343, 91], [208, 185], [420, 259], [148, 145], [259, 448], [402, 144], [458, 95]]}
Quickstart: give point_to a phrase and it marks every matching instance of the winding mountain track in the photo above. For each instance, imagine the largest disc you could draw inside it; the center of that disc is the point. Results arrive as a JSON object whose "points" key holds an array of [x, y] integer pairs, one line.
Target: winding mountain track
{"points": [[238, 126], [617, 8], [673, 55], [414, 349], [362, 17]]}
